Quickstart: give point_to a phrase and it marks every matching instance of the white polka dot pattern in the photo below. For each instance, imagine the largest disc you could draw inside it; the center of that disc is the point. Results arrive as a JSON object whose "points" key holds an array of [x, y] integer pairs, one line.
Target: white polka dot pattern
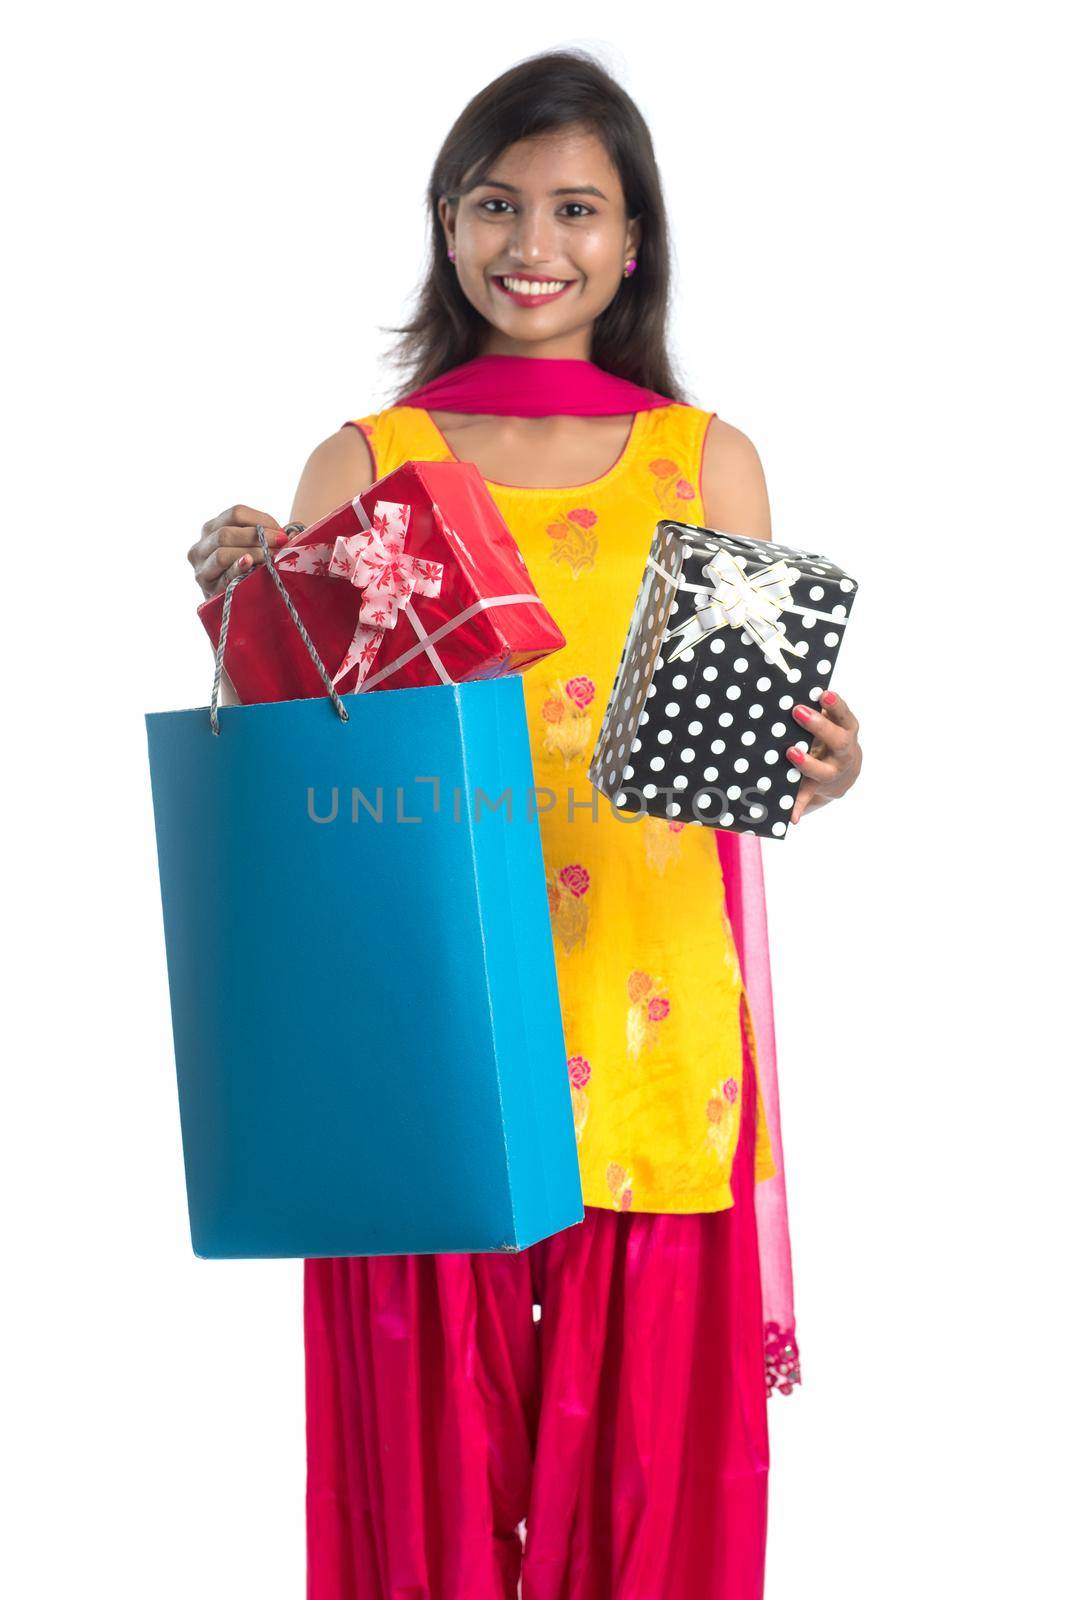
{"points": [[722, 698]]}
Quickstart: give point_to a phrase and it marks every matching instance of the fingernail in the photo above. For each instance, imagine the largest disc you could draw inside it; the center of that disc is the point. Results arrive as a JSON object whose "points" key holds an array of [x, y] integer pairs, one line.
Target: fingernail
{"points": [[804, 712], [795, 755], [830, 698], [246, 561]]}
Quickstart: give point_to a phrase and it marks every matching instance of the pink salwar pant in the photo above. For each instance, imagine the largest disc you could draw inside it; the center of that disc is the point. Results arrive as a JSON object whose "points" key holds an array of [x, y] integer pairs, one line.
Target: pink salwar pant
{"points": [[615, 1449]]}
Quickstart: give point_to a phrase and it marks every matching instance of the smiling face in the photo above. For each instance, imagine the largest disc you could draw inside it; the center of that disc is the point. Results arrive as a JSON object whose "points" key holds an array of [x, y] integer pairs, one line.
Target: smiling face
{"points": [[542, 243]]}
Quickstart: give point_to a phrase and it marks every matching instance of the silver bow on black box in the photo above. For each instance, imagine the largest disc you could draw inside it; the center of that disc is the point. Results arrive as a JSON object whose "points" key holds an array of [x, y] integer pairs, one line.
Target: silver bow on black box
{"points": [[712, 747], [736, 599]]}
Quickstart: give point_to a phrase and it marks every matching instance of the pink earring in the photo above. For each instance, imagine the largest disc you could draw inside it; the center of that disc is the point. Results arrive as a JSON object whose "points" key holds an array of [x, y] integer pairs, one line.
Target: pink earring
{"points": [[452, 255], [630, 268]]}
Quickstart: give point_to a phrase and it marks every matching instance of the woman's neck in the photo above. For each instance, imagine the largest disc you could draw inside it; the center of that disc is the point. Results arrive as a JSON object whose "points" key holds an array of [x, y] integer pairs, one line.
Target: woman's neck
{"points": [[535, 452], [568, 347]]}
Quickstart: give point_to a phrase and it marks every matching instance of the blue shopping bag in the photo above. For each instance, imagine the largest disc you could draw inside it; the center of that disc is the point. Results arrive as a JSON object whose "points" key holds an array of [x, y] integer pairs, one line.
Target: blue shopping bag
{"points": [[363, 990]]}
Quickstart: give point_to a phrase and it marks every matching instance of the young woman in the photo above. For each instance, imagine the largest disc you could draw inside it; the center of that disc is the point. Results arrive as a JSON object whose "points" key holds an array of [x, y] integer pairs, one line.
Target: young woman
{"points": [[616, 1447]]}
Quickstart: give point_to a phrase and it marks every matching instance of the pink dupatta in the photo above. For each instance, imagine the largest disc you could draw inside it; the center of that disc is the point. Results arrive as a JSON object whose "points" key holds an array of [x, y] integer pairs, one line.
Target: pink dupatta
{"points": [[525, 386]]}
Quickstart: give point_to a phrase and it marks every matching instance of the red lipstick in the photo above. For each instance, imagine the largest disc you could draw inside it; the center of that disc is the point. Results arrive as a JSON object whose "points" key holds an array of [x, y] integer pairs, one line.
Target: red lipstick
{"points": [[526, 298]]}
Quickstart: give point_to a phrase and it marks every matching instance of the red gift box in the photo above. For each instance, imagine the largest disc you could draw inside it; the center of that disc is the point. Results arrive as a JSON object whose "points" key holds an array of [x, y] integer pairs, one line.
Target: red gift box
{"points": [[417, 581]]}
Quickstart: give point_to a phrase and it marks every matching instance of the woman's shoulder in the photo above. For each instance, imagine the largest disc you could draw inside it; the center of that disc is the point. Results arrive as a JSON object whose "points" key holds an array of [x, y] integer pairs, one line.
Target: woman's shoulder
{"points": [[726, 446], [376, 430], [340, 466], [733, 488], [398, 433]]}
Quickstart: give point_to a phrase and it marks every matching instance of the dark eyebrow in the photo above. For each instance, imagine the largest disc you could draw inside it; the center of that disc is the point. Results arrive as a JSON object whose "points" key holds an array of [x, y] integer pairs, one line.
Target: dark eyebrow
{"points": [[575, 188]]}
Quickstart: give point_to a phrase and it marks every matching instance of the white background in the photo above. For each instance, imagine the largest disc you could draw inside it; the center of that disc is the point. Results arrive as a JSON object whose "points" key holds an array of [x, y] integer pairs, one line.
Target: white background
{"points": [[213, 211]]}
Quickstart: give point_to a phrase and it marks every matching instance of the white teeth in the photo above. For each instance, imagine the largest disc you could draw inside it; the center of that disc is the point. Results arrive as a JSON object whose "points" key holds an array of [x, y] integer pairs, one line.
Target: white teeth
{"points": [[525, 286]]}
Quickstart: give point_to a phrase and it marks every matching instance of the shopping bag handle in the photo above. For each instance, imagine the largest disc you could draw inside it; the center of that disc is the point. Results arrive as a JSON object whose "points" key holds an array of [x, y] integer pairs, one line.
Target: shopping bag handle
{"points": [[261, 535]]}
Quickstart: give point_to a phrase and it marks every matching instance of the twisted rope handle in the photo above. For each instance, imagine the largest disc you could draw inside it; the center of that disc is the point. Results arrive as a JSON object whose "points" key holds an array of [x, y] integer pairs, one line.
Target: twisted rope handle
{"points": [[261, 535]]}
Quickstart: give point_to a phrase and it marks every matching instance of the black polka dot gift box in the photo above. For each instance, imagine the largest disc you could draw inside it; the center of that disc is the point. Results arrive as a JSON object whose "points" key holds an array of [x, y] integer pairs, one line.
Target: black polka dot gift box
{"points": [[727, 635]]}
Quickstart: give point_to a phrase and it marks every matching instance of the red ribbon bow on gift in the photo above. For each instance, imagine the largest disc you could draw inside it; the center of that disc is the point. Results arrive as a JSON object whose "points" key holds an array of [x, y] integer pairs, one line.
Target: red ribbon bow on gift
{"points": [[375, 561]]}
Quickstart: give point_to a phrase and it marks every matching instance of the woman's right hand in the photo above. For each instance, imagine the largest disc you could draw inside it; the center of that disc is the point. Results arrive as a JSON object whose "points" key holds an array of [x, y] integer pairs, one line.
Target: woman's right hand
{"points": [[228, 545]]}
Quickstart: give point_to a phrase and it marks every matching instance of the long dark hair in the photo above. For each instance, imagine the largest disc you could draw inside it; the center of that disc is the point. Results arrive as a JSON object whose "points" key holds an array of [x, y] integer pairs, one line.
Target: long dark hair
{"points": [[547, 92]]}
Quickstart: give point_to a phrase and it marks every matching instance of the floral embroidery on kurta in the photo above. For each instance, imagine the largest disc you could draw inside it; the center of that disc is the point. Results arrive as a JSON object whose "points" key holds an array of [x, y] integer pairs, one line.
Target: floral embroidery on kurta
{"points": [[568, 724], [649, 1006], [662, 842], [670, 486], [574, 540], [621, 1184], [578, 1071], [568, 906], [722, 1117]]}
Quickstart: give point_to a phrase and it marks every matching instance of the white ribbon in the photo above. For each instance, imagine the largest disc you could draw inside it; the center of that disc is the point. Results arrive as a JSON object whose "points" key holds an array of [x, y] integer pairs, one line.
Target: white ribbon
{"points": [[427, 641], [739, 599]]}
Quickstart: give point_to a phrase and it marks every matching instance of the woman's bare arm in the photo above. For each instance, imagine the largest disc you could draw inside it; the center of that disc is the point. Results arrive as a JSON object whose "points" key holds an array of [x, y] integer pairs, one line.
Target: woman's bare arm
{"points": [[733, 491], [337, 469]]}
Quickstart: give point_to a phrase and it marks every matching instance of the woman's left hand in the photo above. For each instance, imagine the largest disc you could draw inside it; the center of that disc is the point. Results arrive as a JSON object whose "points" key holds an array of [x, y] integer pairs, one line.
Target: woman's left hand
{"points": [[831, 764]]}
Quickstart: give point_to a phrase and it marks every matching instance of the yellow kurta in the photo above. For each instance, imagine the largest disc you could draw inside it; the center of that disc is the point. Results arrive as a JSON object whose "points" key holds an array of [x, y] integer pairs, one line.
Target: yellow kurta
{"points": [[650, 987]]}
